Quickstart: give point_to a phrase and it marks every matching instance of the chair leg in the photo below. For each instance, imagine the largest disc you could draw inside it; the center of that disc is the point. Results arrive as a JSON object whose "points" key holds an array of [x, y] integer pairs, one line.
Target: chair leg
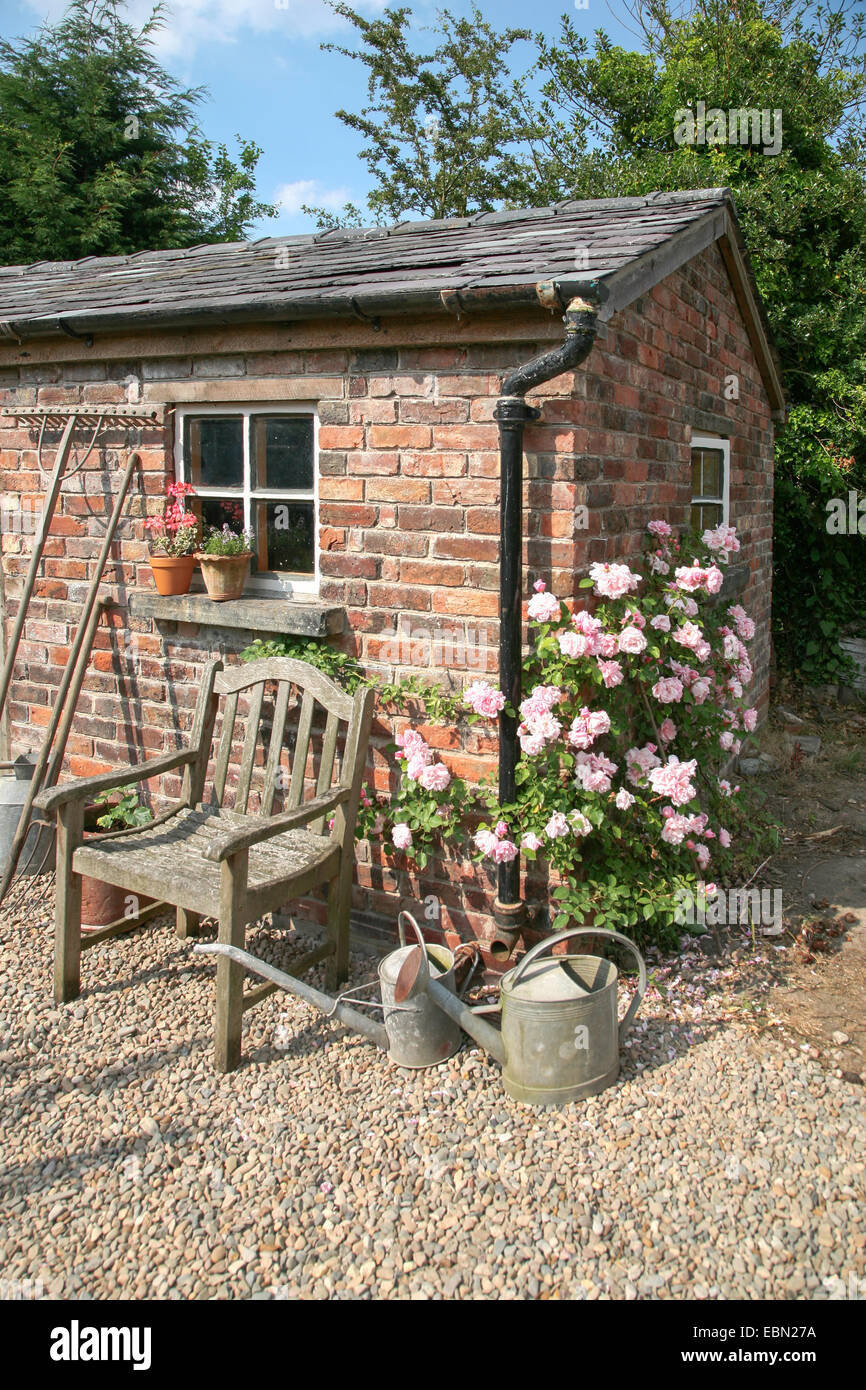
{"points": [[339, 903], [67, 905], [230, 975], [187, 923]]}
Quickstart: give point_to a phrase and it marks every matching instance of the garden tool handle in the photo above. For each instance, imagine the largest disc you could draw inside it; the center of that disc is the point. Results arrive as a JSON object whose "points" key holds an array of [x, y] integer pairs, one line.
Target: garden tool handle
{"points": [[593, 931]]}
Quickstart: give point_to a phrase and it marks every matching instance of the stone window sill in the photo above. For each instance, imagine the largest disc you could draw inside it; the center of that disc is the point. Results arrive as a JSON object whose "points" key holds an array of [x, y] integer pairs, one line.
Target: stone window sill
{"points": [[304, 617]]}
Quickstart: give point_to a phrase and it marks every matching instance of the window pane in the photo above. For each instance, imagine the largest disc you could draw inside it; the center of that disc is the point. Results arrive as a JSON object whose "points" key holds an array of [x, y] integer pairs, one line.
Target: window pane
{"points": [[696, 472], [214, 450], [220, 512], [284, 532], [712, 473], [706, 516], [282, 453]]}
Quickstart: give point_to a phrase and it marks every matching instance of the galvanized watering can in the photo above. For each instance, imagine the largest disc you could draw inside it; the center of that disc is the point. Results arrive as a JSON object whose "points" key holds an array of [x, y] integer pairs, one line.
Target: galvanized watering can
{"points": [[559, 1040], [415, 1033]]}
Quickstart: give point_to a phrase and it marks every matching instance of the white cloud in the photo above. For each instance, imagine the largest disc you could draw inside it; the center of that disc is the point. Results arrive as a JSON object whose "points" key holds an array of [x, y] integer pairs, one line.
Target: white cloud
{"points": [[290, 196], [191, 23]]}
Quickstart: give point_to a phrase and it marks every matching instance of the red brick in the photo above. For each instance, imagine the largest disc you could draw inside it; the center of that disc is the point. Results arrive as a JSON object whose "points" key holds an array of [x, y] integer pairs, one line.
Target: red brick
{"points": [[431, 518], [465, 548], [433, 465], [399, 436], [341, 437], [346, 514], [432, 572], [398, 596], [397, 490], [464, 437]]}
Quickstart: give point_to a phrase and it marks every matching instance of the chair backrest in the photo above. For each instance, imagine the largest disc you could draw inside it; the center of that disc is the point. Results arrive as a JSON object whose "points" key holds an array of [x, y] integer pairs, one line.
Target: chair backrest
{"points": [[293, 734]]}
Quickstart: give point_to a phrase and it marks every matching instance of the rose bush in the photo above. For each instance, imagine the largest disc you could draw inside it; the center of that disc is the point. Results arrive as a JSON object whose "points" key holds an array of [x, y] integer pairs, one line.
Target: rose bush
{"points": [[631, 711]]}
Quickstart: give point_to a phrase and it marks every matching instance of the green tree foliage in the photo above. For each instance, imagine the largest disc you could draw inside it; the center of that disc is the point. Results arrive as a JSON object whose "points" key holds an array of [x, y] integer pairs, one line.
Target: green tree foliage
{"points": [[593, 119], [444, 121], [100, 153]]}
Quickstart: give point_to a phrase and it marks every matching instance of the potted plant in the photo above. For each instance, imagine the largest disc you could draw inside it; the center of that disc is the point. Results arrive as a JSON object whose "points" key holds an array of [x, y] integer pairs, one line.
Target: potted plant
{"points": [[172, 539], [103, 903], [224, 559]]}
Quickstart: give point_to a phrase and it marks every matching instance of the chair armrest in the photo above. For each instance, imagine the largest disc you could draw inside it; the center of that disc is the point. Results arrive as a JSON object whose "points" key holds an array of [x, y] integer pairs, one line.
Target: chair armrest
{"points": [[223, 846], [84, 787]]}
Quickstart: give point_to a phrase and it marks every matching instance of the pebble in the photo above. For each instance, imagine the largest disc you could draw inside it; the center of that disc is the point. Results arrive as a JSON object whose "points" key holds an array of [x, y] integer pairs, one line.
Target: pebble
{"points": [[318, 1170]]}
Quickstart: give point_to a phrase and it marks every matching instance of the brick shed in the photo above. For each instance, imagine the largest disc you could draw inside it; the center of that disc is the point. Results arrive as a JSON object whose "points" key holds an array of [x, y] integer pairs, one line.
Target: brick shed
{"points": [[371, 363]]}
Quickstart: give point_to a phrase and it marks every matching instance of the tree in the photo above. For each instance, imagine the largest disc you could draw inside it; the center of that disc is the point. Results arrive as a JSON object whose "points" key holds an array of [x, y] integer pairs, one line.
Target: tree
{"points": [[803, 215], [603, 121], [100, 153], [443, 124]]}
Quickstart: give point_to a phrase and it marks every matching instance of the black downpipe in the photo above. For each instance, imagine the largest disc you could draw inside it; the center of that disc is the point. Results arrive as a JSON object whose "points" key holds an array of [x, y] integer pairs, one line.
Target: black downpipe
{"points": [[512, 414]]}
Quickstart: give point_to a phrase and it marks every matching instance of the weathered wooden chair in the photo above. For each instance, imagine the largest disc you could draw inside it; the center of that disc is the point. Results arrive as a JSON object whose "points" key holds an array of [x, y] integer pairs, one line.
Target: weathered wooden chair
{"points": [[207, 859]]}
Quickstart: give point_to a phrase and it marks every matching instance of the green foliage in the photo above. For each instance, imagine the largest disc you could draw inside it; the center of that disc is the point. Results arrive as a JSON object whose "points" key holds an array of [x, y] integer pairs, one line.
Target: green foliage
{"points": [[444, 119], [227, 542], [411, 695], [100, 153], [342, 668], [125, 813]]}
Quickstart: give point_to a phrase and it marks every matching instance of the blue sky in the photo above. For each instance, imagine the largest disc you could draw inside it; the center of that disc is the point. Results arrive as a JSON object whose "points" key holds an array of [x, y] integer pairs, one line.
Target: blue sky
{"points": [[268, 79]]}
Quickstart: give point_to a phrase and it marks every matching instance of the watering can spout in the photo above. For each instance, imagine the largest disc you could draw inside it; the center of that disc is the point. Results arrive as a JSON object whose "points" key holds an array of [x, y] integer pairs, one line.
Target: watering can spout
{"points": [[478, 1028]]}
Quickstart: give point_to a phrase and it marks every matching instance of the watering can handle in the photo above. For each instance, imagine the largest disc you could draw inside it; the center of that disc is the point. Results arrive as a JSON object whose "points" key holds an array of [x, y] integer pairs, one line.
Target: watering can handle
{"points": [[407, 917], [593, 931]]}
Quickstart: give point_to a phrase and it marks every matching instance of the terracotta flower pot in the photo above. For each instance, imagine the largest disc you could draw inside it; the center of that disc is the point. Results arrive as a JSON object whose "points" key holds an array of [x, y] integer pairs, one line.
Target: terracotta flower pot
{"points": [[103, 903], [224, 575], [172, 574]]}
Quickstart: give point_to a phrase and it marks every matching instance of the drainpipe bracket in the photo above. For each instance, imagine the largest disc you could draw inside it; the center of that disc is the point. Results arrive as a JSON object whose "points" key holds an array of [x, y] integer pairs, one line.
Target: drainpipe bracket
{"points": [[513, 410]]}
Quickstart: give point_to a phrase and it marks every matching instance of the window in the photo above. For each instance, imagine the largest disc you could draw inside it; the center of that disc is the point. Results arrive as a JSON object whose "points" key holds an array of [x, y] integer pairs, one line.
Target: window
{"points": [[255, 469], [711, 460]]}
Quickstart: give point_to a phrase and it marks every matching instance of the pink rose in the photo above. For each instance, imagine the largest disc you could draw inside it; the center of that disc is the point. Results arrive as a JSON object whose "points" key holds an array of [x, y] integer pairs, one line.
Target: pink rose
{"points": [[531, 842], [485, 841], [544, 608], [401, 836], [668, 690], [612, 581], [724, 839], [611, 672], [435, 777], [668, 730], [624, 799], [632, 640], [483, 699], [661, 622], [503, 852], [557, 826]]}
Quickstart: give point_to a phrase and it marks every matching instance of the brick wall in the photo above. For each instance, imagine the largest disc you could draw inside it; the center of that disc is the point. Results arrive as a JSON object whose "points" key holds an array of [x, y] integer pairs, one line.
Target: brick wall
{"points": [[409, 499]]}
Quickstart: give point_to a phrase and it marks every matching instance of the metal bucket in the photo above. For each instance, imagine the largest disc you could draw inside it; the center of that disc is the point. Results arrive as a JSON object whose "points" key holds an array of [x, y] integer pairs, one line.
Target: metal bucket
{"points": [[37, 854], [559, 1022], [419, 1033]]}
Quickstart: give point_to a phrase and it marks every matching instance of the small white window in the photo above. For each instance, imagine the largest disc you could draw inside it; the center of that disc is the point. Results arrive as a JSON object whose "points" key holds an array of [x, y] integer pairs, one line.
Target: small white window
{"points": [[711, 482], [254, 468]]}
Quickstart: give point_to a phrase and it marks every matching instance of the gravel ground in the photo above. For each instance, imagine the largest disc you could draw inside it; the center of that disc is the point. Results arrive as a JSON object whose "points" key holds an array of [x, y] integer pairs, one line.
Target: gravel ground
{"points": [[721, 1165]]}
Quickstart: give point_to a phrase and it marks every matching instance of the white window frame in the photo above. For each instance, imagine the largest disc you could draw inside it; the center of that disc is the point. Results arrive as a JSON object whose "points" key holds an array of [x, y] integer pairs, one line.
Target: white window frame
{"points": [[271, 581], [718, 442]]}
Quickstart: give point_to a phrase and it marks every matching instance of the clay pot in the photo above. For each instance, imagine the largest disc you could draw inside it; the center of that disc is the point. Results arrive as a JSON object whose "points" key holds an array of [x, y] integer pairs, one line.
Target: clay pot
{"points": [[102, 903], [172, 574], [224, 575]]}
